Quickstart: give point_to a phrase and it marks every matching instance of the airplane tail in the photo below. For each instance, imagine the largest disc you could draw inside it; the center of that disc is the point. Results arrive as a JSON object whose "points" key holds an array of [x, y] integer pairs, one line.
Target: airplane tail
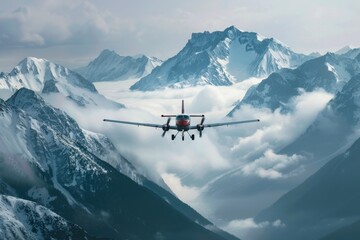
{"points": [[182, 107]]}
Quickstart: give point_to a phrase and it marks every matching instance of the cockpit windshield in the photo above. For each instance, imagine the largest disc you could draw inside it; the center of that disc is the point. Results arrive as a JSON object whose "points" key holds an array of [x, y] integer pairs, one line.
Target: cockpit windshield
{"points": [[182, 117]]}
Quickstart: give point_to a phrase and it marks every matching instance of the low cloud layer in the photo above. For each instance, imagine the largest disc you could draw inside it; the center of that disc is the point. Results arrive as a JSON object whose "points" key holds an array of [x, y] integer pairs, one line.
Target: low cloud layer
{"points": [[256, 149], [244, 228], [247, 153]]}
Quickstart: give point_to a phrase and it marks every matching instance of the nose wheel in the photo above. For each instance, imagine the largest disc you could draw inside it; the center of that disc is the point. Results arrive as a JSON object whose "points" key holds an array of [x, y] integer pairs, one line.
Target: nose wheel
{"points": [[192, 136]]}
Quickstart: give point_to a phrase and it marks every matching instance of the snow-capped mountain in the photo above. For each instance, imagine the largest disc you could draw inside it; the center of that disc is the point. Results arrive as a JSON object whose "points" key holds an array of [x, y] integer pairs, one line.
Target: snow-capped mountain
{"points": [[46, 158], [110, 66], [221, 58], [44, 76], [21, 219], [329, 72], [325, 202]]}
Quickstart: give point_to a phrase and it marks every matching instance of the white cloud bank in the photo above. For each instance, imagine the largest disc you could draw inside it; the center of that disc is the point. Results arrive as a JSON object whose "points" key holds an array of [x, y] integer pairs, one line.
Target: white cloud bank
{"points": [[255, 149], [242, 228]]}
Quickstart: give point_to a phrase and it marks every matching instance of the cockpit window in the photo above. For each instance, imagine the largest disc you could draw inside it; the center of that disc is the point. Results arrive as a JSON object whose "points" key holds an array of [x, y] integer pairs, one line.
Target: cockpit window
{"points": [[179, 117]]}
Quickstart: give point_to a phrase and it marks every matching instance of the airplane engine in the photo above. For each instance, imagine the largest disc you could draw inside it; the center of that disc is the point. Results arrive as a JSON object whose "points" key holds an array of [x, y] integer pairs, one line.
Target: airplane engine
{"points": [[166, 127], [200, 127]]}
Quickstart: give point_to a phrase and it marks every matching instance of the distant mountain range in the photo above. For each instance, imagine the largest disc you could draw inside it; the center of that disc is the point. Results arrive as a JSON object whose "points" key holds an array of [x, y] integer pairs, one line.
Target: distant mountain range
{"points": [[46, 77], [110, 66], [58, 180], [221, 58], [329, 72]]}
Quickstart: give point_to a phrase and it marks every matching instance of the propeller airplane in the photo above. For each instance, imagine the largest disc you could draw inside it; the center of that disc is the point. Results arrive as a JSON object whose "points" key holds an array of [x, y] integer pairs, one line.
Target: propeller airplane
{"points": [[182, 124]]}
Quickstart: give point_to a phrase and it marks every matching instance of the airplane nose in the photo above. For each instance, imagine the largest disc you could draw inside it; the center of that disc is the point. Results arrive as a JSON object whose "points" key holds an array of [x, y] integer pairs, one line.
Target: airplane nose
{"points": [[183, 122]]}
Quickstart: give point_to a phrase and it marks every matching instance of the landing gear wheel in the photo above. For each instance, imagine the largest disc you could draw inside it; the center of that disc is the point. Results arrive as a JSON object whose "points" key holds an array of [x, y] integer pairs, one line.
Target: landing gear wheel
{"points": [[172, 137], [193, 137], [183, 137]]}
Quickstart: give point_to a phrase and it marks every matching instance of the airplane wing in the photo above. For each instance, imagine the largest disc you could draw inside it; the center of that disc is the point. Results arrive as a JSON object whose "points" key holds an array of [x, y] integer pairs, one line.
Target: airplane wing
{"points": [[139, 124], [225, 123]]}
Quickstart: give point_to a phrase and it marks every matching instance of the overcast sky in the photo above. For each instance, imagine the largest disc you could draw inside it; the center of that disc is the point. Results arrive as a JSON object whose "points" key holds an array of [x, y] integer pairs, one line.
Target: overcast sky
{"points": [[73, 32]]}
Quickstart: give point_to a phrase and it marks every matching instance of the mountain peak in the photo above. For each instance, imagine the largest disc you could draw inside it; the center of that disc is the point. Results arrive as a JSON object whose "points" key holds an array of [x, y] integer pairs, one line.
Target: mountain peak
{"points": [[345, 49], [221, 58], [110, 66], [29, 64], [107, 53], [25, 97]]}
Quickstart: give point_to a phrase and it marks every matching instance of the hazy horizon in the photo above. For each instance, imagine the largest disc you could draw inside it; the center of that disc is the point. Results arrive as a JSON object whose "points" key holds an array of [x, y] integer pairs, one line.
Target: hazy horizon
{"points": [[72, 33]]}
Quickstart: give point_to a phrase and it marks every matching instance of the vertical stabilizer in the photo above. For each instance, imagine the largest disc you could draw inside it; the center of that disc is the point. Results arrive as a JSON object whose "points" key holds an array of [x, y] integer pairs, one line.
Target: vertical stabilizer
{"points": [[182, 107]]}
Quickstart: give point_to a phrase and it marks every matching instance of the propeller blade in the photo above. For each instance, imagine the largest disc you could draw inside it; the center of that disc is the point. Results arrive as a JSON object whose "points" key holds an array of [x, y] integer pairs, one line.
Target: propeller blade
{"points": [[202, 121], [166, 127], [200, 133]]}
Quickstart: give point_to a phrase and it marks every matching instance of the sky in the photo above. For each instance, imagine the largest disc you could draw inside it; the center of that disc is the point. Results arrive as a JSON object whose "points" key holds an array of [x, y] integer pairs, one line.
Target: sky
{"points": [[74, 32]]}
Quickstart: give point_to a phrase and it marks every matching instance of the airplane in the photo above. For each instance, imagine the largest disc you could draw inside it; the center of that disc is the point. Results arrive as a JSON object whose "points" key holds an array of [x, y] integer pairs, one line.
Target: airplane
{"points": [[182, 124]]}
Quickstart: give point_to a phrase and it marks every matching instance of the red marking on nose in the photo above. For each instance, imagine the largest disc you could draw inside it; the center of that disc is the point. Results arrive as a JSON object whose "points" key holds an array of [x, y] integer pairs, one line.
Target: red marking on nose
{"points": [[183, 123]]}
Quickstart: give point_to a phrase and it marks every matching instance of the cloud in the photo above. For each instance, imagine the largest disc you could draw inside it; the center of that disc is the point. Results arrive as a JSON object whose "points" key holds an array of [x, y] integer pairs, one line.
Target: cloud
{"points": [[271, 165], [243, 227], [54, 23], [185, 193], [247, 154], [256, 148]]}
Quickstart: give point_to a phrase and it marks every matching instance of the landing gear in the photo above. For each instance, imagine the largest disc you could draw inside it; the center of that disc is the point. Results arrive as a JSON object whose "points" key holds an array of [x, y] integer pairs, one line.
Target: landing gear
{"points": [[172, 137], [183, 137], [193, 137]]}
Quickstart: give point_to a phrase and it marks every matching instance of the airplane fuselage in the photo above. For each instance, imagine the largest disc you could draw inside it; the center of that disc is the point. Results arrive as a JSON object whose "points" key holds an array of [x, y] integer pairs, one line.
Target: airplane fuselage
{"points": [[182, 122]]}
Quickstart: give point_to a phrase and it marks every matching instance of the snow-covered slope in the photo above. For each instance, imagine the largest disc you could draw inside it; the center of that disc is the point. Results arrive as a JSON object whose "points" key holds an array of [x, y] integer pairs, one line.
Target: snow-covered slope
{"points": [[46, 121], [221, 58], [41, 75], [25, 220], [325, 202], [329, 72], [48, 159], [110, 66]]}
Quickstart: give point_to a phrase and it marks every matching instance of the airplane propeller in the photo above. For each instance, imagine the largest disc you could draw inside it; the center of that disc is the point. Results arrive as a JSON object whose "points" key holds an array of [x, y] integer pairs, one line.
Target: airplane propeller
{"points": [[166, 127], [200, 127]]}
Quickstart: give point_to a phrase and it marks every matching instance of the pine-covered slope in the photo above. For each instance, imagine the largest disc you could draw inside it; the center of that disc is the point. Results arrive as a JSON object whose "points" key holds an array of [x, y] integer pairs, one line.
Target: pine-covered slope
{"points": [[110, 66], [221, 58]]}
